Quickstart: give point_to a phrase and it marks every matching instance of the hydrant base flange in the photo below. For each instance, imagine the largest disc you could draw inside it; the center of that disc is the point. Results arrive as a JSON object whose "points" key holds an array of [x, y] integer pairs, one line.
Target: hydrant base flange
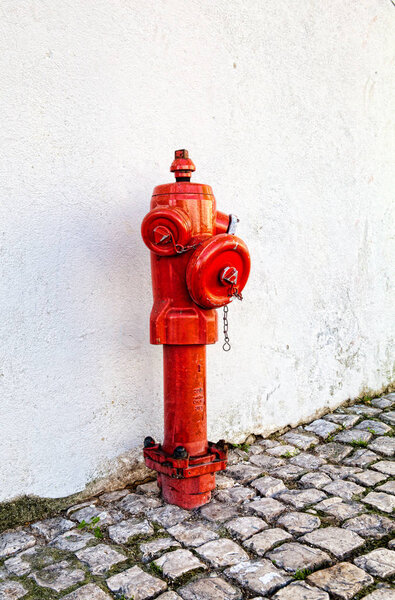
{"points": [[187, 482]]}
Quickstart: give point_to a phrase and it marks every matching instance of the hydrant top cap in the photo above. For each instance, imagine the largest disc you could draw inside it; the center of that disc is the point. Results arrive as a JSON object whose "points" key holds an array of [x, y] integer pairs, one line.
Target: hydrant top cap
{"points": [[182, 165]]}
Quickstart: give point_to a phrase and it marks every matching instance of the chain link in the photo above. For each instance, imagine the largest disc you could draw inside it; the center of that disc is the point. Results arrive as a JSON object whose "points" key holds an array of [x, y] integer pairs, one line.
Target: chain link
{"points": [[226, 345]]}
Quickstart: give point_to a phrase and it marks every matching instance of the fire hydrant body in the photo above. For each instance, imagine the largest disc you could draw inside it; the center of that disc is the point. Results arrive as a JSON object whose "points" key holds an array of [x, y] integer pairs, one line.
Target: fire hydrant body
{"points": [[197, 266]]}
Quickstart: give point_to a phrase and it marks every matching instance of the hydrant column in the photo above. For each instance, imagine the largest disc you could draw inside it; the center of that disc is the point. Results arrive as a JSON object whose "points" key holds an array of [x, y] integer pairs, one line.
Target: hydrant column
{"points": [[197, 265], [184, 370]]}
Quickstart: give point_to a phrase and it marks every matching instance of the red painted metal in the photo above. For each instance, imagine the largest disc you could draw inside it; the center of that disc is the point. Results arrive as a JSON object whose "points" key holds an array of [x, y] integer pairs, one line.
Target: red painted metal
{"points": [[196, 267]]}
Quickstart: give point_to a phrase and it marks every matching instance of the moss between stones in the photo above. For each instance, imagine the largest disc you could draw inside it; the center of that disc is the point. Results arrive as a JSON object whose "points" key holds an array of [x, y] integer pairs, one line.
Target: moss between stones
{"points": [[32, 508]]}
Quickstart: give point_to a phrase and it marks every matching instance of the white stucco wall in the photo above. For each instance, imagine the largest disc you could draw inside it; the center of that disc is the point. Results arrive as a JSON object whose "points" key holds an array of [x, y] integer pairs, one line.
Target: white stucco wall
{"points": [[287, 110]]}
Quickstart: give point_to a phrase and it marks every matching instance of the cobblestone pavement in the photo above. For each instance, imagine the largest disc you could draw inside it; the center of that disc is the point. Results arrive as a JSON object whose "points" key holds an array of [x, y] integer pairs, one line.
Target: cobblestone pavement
{"points": [[302, 515]]}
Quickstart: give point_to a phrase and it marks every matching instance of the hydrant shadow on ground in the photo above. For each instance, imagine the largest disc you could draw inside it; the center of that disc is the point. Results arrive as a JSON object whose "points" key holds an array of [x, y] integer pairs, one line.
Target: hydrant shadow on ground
{"points": [[197, 266]]}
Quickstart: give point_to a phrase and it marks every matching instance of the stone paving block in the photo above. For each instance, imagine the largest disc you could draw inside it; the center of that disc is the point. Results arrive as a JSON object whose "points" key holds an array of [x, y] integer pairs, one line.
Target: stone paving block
{"points": [[153, 549], [217, 512], [244, 472], [169, 596], [385, 466], [235, 495], [294, 556], [136, 583], [58, 576], [382, 403], [151, 488], [315, 480], [124, 530], [379, 562], [18, 565], [176, 563], [300, 591], [222, 482], [109, 497], [15, 541], [256, 449], [388, 487], [391, 544], [344, 489], [222, 553], [340, 542], [349, 436], [369, 478], [268, 508], [300, 440], [192, 534], [362, 458], [322, 427], [343, 580], [384, 593], [266, 540], [299, 522], [283, 450], [383, 445], [375, 427], [288, 472], [105, 516], [389, 417], [334, 451], [244, 527], [100, 558], [258, 576], [168, 515], [210, 588], [268, 486], [302, 498], [88, 592], [380, 500], [370, 526], [338, 508], [363, 409], [267, 463], [345, 421], [307, 461], [51, 528], [339, 471], [11, 590], [72, 540], [136, 504]]}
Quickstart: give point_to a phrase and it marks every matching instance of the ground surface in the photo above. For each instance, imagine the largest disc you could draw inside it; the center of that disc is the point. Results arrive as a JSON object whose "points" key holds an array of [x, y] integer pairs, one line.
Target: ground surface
{"points": [[305, 515]]}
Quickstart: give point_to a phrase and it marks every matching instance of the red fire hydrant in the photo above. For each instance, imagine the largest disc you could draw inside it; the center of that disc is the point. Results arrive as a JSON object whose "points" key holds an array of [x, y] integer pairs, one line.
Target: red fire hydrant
{"points": [[197, 265]]}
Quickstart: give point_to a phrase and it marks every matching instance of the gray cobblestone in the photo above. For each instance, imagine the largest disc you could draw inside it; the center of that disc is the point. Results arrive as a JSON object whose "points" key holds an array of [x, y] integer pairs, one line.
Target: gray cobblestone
{"points": [[302, 498], [299, 522], [210, 588], [261, 542], [375, 427], [362, 458], [343, 580], [88, 592], [178, 562], [379, 562], [135, 583], [268, 486], [344, 489], [315, 479], [244, 527], [385, 466], [380, 500], [155, 548], [268, 508], [389, 417], [258, 576], [235, 495], [294, 557], [340, 542], [192, 534], [345, 421], [383, 445], [301, 440], [100, 558], [59, 576], [300, 591], [12, 590], [15, 541], [322, 427], [370, 526], [222, 553], [334, 451]]}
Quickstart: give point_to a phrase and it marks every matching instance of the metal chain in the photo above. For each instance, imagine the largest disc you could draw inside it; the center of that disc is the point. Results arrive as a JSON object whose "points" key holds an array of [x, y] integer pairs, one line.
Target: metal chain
{"points": [[226, 346], [233, 292]]}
